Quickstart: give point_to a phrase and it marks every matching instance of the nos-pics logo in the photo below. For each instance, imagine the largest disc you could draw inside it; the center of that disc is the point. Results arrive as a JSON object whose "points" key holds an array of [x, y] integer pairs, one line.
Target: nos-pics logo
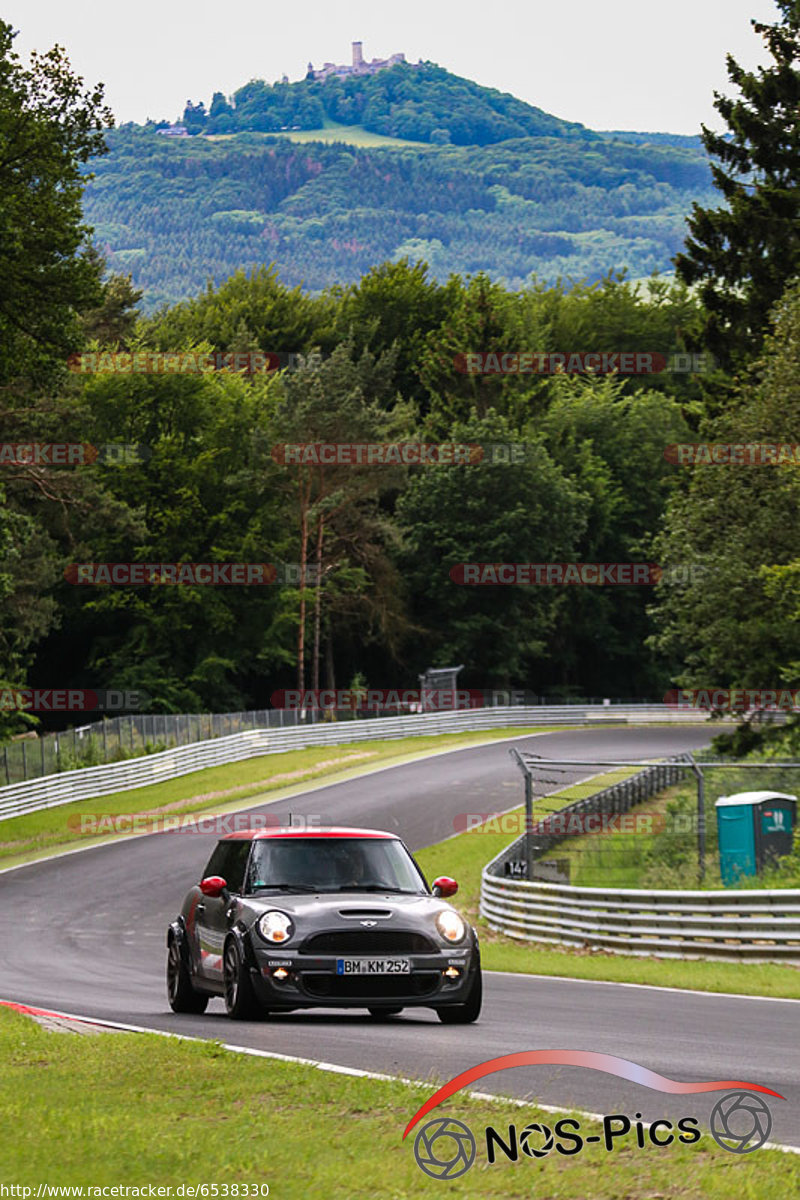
{"points": [[446, 1148]]}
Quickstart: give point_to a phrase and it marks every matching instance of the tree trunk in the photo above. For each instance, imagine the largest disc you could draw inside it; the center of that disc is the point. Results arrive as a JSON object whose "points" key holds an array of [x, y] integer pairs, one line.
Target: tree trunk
{"points": [[305, 492], [330, 676], [317, 605]]}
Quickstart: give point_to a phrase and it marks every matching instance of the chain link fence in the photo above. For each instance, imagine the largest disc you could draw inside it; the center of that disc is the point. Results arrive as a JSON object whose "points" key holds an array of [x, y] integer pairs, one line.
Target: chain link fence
{"points": [[650, 826], [120, 738]]}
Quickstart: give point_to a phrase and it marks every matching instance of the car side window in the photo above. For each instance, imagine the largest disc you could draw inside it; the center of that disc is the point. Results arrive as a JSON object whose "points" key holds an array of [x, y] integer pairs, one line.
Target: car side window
{"points": [[229, 860], [237, 864], [218, 861]]}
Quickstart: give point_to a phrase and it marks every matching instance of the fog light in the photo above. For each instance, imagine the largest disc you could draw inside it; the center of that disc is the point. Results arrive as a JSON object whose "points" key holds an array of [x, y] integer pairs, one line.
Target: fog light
{"points": [[452, 972], [280, 973]]}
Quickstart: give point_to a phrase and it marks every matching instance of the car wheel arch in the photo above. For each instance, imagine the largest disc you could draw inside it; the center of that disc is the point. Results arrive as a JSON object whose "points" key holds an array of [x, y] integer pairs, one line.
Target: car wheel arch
{"points": [[176, 932], [239, 934]]}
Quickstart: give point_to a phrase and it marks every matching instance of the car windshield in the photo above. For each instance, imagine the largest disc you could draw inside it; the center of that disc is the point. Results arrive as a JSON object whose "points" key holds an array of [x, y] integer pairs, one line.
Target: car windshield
{"points": [[333, 865]]}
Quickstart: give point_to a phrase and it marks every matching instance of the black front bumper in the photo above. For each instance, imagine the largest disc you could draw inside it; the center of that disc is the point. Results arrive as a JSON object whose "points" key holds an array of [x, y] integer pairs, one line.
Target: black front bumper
{"points": [[311, 982]]}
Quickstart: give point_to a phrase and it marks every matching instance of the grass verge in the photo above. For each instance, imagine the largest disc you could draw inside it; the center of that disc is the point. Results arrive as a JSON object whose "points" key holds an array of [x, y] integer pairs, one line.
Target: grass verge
{"points": [[85, 1111], [352, 135], [226, 788], [662, 858], [464, 857]]}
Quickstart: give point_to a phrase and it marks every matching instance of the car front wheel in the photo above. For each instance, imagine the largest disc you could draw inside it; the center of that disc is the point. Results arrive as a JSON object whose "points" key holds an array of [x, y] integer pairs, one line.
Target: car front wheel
{"points": [[240, 999], [182, 996], [469, 1011]]}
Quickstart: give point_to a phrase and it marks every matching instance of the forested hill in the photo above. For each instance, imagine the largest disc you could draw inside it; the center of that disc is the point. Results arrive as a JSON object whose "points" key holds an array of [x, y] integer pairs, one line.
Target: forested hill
{"points": [[425, 103], [688, 141], [327, 202]]}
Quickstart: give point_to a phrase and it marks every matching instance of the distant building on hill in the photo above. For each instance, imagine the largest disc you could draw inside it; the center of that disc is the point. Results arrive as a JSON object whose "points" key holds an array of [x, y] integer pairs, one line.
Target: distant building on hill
{"points": [[174, 131], [358, 66]]}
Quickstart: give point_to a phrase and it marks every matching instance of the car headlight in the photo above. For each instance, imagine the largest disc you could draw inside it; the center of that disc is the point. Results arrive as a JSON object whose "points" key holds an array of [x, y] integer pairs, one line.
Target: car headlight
{"points": [[450, 925], [275, 926]]}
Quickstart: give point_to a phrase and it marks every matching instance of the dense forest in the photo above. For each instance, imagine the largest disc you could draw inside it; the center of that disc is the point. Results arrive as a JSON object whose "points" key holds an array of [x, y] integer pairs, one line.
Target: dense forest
{"points": [[175, 214], [374, 353], [487, 183], [594, 486]]}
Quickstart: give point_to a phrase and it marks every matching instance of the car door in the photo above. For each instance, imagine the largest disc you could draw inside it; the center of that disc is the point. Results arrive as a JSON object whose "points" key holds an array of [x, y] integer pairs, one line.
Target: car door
{"points": [[212, 914]]}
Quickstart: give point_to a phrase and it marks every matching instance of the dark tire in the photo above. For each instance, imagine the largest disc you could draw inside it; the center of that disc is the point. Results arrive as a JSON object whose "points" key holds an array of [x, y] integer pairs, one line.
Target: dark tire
{"points": [[380, 1014], [240, 999], [469, 1011], [181, 994]]}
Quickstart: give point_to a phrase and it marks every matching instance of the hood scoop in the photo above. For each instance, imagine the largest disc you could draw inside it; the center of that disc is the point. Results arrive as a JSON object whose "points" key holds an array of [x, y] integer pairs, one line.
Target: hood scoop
{"points": [[365, 912]]}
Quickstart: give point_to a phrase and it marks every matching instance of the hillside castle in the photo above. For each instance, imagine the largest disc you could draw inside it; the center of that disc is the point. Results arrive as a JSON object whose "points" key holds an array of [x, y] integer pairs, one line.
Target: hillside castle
{"points": [[358, 66]]}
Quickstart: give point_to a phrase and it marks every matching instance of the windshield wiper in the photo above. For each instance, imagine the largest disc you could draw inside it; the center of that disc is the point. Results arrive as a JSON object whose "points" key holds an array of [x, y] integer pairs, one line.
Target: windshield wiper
{"points": [[285, 887], [370, 887]]}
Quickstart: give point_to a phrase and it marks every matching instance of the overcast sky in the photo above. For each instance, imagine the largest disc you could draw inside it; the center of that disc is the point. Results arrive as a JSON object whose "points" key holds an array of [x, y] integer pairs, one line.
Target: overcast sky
{"points": [[612, 64]]}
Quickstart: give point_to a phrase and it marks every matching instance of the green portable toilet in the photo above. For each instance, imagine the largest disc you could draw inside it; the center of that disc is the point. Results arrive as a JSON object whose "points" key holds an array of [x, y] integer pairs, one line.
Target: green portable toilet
{"points": [[754, 828]]}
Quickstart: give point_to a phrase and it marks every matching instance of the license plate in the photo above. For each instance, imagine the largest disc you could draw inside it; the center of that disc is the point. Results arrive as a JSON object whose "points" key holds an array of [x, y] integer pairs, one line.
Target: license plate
{"points": [[373, 966]]}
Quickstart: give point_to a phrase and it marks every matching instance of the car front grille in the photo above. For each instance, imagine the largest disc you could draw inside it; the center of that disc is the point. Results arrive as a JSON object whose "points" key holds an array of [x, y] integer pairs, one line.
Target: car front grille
{"points": [[369, 987], [368, 941]]}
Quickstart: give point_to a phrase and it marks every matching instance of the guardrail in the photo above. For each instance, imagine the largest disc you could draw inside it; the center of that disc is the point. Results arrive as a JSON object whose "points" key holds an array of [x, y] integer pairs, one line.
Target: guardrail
{"points": [[68, 786], [759, 925], [756, 925]]}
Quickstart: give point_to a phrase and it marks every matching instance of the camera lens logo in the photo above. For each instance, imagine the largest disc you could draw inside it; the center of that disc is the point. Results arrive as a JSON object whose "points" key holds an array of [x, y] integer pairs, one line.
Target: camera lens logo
{"points": [[740, 1122], [527, 1140], [444, 1149]]}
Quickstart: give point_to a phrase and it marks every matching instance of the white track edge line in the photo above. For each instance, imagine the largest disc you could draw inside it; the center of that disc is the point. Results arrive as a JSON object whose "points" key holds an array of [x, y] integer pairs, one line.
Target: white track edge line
{"points": [[337, 1068], [653, 987]]}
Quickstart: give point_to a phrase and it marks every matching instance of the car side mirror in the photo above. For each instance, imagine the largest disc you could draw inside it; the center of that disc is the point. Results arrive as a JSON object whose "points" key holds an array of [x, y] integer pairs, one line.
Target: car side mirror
{"points": [[214, 886], [444, 887]]}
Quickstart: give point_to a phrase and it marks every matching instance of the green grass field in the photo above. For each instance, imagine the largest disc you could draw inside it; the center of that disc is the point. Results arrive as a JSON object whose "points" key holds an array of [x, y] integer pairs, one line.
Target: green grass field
{"points": [[139, 1110], [352, 135], [620, 859]]}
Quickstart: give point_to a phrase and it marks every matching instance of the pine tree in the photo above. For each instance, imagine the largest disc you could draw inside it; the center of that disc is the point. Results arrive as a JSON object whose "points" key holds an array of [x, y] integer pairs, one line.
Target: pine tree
{"points": [[742, 255]]}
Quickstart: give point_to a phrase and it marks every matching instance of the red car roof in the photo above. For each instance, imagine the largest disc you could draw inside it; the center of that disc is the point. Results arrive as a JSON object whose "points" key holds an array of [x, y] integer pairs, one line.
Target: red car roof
{"points": [[334, 831]]}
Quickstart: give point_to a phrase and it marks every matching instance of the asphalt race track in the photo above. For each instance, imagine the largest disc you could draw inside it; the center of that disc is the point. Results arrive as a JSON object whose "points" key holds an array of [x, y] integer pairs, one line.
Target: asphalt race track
{"points": [[85, 934]]}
